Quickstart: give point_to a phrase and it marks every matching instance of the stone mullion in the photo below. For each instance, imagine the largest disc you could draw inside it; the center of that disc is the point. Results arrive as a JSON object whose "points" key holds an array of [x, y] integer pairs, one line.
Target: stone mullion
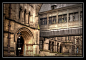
{"points": [[47, 21], [67, 18], [79, 15], [57, 18], [51, 46]]}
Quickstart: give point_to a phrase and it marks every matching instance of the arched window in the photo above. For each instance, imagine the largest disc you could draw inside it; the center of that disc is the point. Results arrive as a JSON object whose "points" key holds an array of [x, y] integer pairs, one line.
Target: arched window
{"points": [[20, 12], [25, 16]]}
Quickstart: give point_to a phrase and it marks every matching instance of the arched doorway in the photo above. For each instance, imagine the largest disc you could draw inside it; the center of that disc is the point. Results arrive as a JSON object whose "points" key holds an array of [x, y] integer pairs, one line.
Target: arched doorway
{"points": [[20, 46], [27, 42]]}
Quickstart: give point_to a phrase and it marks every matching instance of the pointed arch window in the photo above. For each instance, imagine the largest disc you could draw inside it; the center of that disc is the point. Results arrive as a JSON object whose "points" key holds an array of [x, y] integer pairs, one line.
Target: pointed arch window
{"points": [[20, 12], [28, 17], [25, 16]]}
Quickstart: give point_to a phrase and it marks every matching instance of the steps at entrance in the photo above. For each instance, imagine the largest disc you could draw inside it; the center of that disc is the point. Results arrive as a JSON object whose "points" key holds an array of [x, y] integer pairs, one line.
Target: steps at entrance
{"points": [[46, 53]]}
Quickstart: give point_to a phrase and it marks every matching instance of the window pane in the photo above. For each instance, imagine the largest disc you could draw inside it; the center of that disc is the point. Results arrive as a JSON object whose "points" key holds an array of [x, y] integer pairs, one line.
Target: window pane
{"points": [[60, 19], [50, 20], [65, 18], [76, 16], [45, 21], [71, 17], [54, 19], [41, 20]]}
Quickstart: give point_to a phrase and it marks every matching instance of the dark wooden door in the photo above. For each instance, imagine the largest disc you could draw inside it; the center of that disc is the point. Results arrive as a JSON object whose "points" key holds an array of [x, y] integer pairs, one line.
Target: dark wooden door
{"points": [[19, 46]]}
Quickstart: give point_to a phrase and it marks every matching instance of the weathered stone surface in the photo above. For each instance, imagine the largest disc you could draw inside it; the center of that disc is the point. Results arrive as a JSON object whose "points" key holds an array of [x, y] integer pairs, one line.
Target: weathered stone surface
{"points": [[21, 24]]}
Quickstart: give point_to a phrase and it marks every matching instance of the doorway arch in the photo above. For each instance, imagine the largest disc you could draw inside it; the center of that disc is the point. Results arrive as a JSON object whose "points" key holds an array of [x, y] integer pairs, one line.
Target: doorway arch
{"points": [[26, 38]]}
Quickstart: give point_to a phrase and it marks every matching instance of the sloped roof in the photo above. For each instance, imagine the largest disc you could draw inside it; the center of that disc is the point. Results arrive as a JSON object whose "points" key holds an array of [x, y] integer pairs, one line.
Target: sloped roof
{"points": [[47, 7]]}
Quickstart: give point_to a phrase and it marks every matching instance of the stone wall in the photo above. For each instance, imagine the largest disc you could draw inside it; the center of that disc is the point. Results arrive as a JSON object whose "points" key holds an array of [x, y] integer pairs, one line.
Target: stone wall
{"points": [[27, 28], [65, 44]]}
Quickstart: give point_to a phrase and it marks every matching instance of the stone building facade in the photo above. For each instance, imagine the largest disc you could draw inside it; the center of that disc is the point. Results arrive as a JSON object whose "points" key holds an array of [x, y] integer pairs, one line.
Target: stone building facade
{"points": [[20, 25], [61, 28]]}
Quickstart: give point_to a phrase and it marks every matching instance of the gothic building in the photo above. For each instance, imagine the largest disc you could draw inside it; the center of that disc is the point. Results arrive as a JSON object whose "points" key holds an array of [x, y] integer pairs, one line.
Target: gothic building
{"points": [[20, 29], [61, 28]]}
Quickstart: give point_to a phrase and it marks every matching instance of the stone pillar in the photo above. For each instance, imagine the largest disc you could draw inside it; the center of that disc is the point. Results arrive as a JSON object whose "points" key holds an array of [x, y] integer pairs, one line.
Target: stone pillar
{"points": [[15, 48], [75, 45], [24, 50], [26, 22], [24, 53], [47, 21], [57, 18], [67, 18], [55, 46], [58, 46], [63, 48], [59, 49], [51, 46], [79, 15], [70, 50], [46, 44]]}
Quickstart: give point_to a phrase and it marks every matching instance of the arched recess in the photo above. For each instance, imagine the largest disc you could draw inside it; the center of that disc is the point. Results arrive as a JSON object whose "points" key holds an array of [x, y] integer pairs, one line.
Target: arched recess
{"points": [[27, 36], [22, 30]]}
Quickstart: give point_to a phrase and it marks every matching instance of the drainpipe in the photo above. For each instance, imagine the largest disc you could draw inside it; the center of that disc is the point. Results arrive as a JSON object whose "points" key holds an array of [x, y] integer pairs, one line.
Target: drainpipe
{"points": [[9, 31]]}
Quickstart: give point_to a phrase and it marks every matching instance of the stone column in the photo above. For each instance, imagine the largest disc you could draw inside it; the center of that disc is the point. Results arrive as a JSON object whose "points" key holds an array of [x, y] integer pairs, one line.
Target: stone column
{"points": [[55, 46], [24, 53], [57, 18], [63, 48], [47, 21], [51, 46], [15, 48], [70, 50], [26, 18], [67, 18], [79, 15], [80, 45], [75, 44], [46, 44], [59, 47]]}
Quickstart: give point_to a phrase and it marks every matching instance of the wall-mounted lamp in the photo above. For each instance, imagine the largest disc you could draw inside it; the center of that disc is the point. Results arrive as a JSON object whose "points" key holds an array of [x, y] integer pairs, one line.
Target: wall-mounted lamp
{"points": [[19, 33]]}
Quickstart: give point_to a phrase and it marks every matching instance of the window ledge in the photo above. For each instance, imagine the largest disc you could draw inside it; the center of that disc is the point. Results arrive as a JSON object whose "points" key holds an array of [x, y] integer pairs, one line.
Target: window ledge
{"points": [[62, 23]]}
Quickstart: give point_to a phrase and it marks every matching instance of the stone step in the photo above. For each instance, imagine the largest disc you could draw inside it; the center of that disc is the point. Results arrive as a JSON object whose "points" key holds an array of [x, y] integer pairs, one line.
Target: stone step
{"points": [[44, 53]]}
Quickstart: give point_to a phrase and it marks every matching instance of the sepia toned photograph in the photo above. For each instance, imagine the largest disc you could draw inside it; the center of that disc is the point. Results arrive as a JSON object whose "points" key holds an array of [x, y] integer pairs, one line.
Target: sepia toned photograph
{"points": [[42, 30]]}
